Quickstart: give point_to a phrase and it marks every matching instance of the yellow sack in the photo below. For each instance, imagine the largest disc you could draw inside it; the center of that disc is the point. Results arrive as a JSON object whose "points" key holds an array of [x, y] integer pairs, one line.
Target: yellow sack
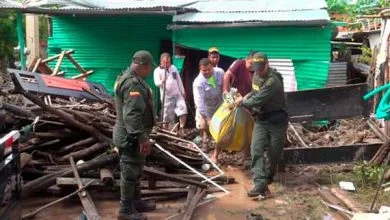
{"points": [[232, 128]]}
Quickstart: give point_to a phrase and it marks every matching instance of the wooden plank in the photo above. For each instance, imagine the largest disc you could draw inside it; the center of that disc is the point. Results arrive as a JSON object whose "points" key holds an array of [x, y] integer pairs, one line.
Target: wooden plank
{"points": [[59, 61], [32, 35], [32, 214], [44, 68], [56, 56], [83, 75], [70, 181], [75, 63], [194, 203], [85, 198], [36, 65], [152, 182], [152, 171]]}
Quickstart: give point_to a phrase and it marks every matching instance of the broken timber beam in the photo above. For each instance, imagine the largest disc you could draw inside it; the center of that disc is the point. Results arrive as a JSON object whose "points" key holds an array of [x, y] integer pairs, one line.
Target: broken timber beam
{"points": [[75, 145], [67, 117], [82, 75], [58, 64], [34, 213], [46, 181], [85, 198], [75, 63], [200, 193], [56, 56], [106, 176], [70, 182]]}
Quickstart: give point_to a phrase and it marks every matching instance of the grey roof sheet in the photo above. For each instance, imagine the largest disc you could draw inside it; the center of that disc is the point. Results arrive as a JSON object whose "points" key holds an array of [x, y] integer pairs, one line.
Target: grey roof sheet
{"points": [[277, 16], [109, 4], [267, 11], [257, 5], [8, 4]]}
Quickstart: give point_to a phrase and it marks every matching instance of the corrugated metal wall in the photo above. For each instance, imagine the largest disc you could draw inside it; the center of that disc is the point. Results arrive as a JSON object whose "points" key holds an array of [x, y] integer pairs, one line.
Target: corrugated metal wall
{"points": [[105, 44], [337, 74], [308, 47]]}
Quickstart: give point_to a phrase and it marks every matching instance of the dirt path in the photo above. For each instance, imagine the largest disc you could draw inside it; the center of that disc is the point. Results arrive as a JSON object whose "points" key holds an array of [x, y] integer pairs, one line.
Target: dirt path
{"points": [[293, 197]]}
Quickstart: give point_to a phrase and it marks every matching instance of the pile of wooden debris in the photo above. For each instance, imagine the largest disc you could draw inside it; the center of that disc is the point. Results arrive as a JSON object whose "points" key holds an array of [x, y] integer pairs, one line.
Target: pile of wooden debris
{"points": [[336, 133]]}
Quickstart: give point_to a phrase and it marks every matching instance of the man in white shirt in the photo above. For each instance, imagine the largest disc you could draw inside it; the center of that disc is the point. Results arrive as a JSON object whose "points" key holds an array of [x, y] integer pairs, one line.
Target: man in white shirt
{"points": [[174, 102]]}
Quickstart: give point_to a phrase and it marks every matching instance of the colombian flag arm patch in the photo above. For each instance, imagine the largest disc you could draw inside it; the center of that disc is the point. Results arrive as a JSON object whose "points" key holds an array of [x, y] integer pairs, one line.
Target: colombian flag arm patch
{"points": [[134, 94], [255, 87]]}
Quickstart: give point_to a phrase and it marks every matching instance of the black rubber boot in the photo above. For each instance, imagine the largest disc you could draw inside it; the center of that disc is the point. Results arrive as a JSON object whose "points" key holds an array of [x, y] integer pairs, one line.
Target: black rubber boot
{"points": [[127, 211], [259, 191], [141, 205]]}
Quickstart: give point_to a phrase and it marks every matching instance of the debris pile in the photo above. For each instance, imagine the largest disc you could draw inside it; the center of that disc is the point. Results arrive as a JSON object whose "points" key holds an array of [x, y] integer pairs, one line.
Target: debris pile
{"points": [[77, 130], [336, 133]]}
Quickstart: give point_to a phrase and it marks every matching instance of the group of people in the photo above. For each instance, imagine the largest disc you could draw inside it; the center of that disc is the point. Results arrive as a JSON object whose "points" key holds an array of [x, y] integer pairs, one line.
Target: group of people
{"points": [[262, 93]]}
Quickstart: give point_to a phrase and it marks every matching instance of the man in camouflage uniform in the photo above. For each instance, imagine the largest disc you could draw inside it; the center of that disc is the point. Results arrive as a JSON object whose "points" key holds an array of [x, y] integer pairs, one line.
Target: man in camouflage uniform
{"points": [[267, 101], [135, 119]]}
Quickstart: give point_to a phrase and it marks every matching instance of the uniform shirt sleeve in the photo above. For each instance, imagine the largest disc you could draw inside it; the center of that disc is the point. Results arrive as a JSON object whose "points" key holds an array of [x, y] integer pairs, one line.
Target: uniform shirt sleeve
{"points": [[264, 95], [133, 111], [199, 96], [157, 77]]}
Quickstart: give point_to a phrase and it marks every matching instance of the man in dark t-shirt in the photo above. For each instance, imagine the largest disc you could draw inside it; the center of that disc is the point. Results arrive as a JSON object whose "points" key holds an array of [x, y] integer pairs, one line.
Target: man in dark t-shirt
{"points": [[239, 76]]}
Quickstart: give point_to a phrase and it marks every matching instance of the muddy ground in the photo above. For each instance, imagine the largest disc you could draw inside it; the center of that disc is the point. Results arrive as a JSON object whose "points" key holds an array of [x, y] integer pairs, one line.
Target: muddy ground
{"points": [[294, 196]]}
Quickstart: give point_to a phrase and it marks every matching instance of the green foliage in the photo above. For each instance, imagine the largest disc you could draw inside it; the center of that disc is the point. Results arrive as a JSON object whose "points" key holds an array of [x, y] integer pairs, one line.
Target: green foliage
{"points": [[337, 6], [367, 175], [366, 55], [8, 37], [43, 34], [361, 7]]}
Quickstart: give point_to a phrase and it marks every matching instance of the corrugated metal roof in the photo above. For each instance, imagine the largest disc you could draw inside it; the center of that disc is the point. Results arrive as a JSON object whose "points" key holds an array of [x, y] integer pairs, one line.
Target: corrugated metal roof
{"points": [[257, 5], [219, 11], [276, 16], [110, 4], [105, 6], [8, 4]]}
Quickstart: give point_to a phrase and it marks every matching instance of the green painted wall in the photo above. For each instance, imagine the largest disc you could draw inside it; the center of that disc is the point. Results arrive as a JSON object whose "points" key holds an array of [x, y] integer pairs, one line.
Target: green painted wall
{"points": [[308, 47], [106, 44]]}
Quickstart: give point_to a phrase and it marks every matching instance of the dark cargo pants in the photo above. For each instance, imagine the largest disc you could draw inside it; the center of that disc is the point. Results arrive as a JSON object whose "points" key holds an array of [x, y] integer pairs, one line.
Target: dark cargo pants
{"points": [[131, 165], [270, 136]]}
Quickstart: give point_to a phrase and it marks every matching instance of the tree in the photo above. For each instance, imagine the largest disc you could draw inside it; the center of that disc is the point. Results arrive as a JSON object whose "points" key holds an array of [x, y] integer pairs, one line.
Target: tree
{"points": [[8, 37]]}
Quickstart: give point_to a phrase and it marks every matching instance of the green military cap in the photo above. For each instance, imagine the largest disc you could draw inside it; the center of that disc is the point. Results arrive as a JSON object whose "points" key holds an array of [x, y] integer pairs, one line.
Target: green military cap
{"points": [[143, 57], [259, 60]]}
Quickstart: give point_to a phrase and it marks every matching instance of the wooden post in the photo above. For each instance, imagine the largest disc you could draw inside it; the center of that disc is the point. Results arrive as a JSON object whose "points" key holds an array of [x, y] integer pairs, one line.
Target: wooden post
{"points": [[32, 36]]}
